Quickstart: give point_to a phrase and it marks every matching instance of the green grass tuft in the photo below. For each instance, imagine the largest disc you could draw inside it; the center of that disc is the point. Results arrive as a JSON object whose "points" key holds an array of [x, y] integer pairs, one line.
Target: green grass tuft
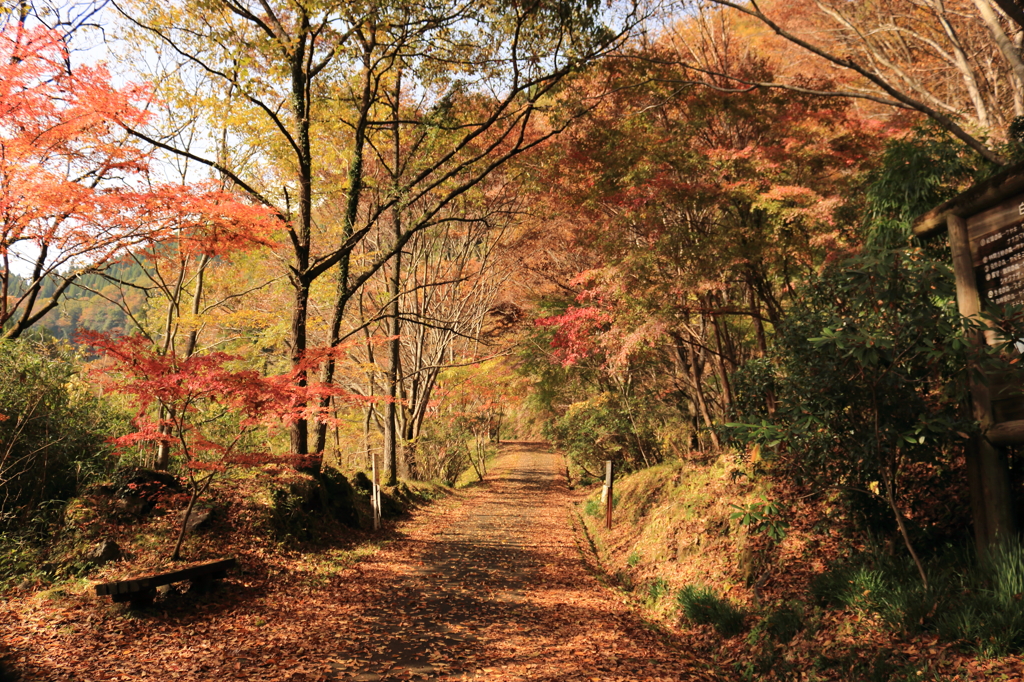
{"points": [[657, 589], [703, 606], [978, 605], [784, 622]]}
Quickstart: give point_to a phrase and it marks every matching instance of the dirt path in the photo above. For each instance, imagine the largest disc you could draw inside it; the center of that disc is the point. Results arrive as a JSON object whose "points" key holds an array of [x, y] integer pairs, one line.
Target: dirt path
{"points": [[488, 584], [500, 593]]}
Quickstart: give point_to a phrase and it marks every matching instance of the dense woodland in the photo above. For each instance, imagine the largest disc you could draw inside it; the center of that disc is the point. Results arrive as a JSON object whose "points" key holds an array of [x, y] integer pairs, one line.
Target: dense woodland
{"points": [[263, 246]]}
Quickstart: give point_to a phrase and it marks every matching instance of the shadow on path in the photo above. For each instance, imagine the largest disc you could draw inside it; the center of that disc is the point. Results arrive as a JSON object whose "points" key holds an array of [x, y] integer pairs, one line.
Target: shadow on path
{"points": [[500, 593]]}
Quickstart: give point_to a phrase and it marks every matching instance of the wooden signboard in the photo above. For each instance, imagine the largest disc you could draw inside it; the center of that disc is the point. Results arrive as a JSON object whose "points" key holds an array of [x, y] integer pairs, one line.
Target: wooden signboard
{"points": [[997, 253], [986, 239]]}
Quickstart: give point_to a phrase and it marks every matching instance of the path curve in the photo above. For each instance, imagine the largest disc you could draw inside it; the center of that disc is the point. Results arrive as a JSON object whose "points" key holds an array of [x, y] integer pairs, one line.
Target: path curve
{"points": [[497, 590]]}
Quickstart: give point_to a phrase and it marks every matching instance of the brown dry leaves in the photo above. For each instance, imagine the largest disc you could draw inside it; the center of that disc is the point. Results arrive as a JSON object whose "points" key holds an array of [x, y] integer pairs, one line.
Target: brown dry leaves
{"points": [[487, 586]]}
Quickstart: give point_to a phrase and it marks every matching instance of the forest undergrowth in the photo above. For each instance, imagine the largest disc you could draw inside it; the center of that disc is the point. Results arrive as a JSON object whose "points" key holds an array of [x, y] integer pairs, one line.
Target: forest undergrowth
{"points": [[795, 592]]}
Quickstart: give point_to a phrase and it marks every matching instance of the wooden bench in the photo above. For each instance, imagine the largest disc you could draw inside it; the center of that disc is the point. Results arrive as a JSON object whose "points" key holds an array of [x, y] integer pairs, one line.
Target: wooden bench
{"points": [[141, 591]]}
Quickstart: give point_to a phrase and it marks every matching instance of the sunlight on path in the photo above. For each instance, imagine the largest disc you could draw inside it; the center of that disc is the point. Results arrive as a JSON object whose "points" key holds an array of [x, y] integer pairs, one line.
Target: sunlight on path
{"points": [[500, 593]]}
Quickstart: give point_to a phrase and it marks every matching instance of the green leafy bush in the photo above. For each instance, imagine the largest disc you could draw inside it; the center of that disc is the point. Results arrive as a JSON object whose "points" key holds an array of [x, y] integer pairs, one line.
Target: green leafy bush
{"points": [[869, 379], [703, 606], [761, 517], [607, 426], [52, 430], [977, 604]]}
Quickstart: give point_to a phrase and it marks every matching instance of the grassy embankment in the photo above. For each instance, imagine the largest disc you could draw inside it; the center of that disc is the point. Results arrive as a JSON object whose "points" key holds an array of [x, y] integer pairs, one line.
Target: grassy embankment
{"points": [[692, 546]]}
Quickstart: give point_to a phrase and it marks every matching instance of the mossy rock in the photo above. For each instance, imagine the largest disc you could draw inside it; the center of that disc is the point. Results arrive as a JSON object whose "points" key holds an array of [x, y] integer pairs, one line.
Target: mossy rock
{"points": [[338, 497], [80, 512]]}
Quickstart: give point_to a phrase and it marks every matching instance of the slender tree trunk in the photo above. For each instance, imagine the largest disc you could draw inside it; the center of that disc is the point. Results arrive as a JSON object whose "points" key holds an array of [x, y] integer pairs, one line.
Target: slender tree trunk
{"points": [[162, 459], [391, 444], [755, 315], [762, 343], [698, 391], [720, 368], [889, 471], [367, 418]]}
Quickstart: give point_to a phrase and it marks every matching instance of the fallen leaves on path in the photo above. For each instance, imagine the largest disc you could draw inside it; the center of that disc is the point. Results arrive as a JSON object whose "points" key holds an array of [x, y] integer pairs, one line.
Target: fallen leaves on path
{"points": [[487, 586]]}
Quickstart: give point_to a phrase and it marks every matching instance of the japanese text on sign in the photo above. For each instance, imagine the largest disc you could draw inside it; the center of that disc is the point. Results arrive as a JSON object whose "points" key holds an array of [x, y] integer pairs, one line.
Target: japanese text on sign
{"points": [[1001, 275]]}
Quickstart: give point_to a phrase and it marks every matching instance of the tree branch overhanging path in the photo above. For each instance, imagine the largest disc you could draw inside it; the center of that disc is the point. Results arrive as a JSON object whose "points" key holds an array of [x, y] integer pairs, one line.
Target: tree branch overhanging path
{"points": [[303, 93]]}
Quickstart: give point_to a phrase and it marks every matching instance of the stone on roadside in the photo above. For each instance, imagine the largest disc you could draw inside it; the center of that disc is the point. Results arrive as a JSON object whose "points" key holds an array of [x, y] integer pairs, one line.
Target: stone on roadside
{"points": [[103, 552], [199, 519]]}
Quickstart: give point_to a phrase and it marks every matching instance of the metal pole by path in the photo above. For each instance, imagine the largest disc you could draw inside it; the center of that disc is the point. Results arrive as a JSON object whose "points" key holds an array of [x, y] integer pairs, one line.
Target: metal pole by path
{"points": [[609, 488]]}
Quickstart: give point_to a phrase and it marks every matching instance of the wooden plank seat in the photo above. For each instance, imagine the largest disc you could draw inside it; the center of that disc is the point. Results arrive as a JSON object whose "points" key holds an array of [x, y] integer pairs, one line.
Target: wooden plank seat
{"points": [[140, 591]]}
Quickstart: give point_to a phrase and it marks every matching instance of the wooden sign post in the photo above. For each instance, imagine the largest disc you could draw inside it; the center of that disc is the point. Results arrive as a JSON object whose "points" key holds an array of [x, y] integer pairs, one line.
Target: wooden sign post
{"points": [[609, 490], [986, 238]]}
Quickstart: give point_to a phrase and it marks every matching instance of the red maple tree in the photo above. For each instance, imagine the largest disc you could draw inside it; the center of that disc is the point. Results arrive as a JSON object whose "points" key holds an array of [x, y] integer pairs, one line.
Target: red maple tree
{"points": [[214, 408], [75, 194]]}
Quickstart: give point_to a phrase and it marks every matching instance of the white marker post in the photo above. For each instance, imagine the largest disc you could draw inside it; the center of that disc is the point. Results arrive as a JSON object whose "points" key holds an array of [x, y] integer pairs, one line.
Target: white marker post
{"points": [[375, 495], [608, 490]]}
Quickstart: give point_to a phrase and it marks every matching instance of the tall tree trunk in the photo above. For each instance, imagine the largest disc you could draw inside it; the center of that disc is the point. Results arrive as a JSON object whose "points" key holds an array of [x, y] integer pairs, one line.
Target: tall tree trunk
{"points": [[300, 311], [391, 444], [355, 188], [391, 439], [301, 232]]}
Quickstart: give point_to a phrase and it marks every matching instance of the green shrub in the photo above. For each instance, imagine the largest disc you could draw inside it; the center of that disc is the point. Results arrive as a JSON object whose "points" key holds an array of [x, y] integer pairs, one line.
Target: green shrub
{"points": [[633, 560], [608, 426], [858, 385], [593, 508], [18, 559], [703, 606], [441, 452], [52, 431]]}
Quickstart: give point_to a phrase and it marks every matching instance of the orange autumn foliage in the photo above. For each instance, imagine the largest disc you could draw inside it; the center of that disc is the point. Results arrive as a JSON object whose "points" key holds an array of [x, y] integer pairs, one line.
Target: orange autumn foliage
{"points": [[75, 194]]}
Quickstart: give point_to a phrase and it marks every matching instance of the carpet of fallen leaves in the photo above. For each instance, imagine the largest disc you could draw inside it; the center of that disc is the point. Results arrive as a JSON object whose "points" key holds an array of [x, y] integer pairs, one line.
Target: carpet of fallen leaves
{"points": [[487, 584]]}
